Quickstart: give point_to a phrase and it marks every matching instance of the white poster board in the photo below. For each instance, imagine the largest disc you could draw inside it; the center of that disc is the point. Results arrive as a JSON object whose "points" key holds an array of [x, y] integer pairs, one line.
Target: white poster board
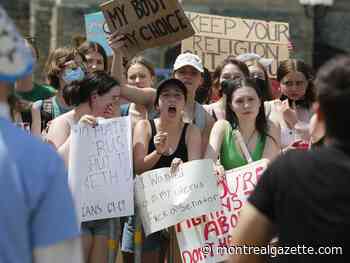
{"points": [[199, 238], [165, 199], [100, 169]]}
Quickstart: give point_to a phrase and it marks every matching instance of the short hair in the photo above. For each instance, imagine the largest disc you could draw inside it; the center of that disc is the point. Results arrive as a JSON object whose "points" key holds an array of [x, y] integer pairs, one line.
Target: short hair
{"points": [[333, 94]]}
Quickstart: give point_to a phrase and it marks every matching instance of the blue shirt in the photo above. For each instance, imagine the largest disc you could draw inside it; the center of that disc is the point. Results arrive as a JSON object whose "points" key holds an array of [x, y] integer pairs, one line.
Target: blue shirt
{"points": [[36, 206]]}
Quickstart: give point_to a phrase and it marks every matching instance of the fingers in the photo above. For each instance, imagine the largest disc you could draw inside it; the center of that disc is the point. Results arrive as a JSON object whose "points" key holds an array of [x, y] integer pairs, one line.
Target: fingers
{"points": [[219, 171], [175, 164], [160, 138], [90, 120], [116, 40]]}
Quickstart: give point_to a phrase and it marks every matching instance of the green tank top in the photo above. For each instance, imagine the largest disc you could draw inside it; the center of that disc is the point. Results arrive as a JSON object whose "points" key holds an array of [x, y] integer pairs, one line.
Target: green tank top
{"points": [[231, 158]]}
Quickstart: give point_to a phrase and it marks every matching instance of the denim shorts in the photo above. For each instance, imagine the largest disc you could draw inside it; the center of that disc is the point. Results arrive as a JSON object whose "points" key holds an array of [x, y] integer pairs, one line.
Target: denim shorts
{"points": [[96, 227], [150, 243]]}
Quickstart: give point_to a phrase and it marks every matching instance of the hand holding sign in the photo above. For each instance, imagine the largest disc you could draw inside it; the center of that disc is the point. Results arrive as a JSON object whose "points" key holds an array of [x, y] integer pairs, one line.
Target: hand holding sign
{"points": [[148, 23], [89, 119], [116, 41]]}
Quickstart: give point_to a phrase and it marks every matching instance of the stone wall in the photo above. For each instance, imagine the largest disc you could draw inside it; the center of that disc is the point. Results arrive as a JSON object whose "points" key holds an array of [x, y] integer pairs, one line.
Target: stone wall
{"points": [[55, 22]]}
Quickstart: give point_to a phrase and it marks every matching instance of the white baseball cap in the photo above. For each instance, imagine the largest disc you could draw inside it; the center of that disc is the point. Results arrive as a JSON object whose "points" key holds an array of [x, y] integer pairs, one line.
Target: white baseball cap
{"points": [[188, 59], [266, 62], [16, 59]]}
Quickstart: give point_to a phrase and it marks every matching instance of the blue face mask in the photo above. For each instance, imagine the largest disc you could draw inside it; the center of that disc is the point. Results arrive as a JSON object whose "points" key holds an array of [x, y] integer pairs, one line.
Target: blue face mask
{"points": [[70, 75]]}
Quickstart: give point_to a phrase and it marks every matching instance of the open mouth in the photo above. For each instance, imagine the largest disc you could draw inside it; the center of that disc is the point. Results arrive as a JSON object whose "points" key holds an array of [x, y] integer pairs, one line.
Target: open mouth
{"points": [[172, 109]]}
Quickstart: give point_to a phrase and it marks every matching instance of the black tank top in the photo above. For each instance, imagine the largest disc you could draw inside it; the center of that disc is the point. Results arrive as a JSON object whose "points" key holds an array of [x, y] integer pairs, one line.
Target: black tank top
{"points": [[181, 150]]}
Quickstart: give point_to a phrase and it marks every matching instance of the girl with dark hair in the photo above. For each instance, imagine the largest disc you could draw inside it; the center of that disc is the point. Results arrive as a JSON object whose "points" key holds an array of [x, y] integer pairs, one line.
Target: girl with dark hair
{"points": [[96, 57], [96, 96], [159, 143], [293, 111], [244, 114], [229, 68]]}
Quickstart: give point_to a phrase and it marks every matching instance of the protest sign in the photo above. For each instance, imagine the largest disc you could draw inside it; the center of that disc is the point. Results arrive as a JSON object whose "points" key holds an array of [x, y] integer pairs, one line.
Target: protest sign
{"points": [[217, 37], [100, 169], [94, 24], [165, 199], [199, 238], [148, 23]]}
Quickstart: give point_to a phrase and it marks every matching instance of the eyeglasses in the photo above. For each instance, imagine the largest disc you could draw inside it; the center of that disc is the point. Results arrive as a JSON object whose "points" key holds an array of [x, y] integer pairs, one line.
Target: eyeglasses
{"points": [[289, 83]]}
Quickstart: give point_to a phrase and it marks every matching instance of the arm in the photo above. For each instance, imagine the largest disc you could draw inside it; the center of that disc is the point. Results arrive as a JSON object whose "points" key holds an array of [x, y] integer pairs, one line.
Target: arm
{"points": [[215, 140], [142, 160], [145, 96], [193, 142], [273, 145], [66, 251], [59, 132], [253, 229], [36, 122], [206, 132]]}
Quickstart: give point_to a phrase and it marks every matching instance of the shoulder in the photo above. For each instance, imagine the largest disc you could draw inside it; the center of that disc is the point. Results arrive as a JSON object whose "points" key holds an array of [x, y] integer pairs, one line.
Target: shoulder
{"points": [[65, 118], [209, 107], [37, 104], [143, 127], [273, 128], [221, 125], [49, 89], [63, 122]]}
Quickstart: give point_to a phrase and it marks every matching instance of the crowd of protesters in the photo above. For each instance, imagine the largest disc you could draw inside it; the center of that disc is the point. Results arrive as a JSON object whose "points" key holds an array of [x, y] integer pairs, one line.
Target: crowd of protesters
{"points": [[229, 116]]}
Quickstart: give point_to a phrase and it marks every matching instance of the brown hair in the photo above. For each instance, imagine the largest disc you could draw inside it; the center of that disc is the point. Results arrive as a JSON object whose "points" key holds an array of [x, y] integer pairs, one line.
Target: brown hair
{"points": [[85, 48], [295, 65], [142, 61], [57, 58], [228, 60], [267, 89]]}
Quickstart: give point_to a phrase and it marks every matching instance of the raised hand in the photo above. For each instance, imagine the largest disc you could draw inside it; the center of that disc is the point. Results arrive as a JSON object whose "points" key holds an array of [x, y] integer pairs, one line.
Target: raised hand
{"points": [[161, 143], [116, 41]]}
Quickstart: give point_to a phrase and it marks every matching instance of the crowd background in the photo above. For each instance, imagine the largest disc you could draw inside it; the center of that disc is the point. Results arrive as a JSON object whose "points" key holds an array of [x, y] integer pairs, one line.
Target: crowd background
{"points": [[232, 115]]}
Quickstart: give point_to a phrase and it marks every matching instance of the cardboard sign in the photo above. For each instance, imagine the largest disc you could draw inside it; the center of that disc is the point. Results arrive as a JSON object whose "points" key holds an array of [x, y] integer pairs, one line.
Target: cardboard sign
{"points": [[94, 24], [100, 169], [217, 37], [147, 23], [200, 239], [165, 199]]}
